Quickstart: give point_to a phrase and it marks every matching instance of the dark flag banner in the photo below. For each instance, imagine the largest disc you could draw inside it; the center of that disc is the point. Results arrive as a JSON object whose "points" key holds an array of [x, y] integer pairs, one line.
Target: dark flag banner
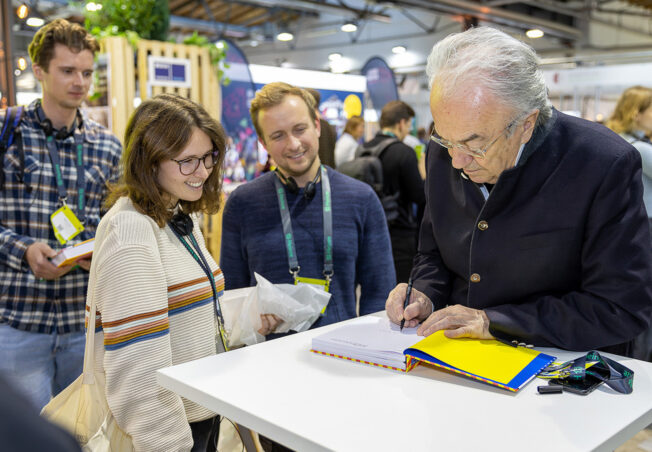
{"points": [[381, 84]]}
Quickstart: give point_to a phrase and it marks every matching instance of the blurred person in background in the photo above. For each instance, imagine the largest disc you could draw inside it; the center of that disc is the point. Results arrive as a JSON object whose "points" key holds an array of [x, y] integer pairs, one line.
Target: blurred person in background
{"points": [[632, 119], [401, 175], [349, 141]]}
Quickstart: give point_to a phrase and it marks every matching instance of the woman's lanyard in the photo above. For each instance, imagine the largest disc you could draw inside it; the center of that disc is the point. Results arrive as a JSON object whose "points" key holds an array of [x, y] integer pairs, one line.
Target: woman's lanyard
{"points": [[293, 261], [196, 253], [81, 178]]}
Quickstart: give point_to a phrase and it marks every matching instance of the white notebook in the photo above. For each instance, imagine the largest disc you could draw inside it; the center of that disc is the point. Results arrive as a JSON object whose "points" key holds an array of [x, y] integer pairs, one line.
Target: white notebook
{"points": [[371, 340], [68, 256]]}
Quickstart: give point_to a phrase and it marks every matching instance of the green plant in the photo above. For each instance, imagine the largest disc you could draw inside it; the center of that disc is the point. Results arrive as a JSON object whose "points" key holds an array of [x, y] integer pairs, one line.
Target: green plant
{"points": [[150, 19], [216, 54], [146, 19]]}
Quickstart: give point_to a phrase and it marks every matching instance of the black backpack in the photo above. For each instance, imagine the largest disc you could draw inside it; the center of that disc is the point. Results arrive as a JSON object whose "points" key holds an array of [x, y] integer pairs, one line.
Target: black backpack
{"points": [[7, 135], [367, 167]]}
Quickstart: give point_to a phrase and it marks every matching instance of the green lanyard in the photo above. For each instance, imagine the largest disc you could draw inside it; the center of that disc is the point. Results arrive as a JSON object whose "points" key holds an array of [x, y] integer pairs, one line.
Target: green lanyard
{"points": [[293, 261], [201, 260], [81, 177]]}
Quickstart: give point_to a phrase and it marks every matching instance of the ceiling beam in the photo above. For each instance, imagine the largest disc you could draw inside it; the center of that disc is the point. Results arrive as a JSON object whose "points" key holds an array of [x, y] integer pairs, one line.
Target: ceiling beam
{"points": [[207, 26], [320, 6], [495, 15]]}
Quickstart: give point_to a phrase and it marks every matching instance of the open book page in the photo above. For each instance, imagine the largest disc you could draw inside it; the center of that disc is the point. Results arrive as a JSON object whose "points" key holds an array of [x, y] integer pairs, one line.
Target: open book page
{"points": [[372, 339]]}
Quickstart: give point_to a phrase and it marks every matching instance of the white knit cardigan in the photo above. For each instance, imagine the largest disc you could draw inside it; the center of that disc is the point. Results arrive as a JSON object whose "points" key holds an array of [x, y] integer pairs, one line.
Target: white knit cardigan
{"points": [[155, 309]]}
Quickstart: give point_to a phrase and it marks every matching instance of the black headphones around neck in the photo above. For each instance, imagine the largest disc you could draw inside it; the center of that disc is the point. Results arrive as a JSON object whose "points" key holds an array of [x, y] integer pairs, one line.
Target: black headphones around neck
{"points": [[48, 128], [291, 184], [181, 223]]}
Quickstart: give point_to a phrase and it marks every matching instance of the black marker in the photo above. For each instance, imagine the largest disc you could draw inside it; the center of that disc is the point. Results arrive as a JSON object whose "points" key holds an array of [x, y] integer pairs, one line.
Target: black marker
{"points": [[407, 300]]}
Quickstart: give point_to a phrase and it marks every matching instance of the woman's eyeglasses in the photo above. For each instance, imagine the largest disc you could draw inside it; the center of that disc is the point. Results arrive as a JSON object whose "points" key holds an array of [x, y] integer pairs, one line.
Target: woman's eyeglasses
{"points": [[190, 165]]}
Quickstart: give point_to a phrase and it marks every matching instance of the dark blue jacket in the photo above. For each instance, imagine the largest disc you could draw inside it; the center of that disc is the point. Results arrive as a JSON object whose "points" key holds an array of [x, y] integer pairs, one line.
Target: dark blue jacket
{"points": [[564, 256]]}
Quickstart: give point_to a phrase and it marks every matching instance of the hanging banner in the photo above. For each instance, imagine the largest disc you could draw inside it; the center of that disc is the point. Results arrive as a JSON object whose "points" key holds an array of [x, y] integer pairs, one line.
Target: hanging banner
{"points": [[381, 84], [242, 161]]}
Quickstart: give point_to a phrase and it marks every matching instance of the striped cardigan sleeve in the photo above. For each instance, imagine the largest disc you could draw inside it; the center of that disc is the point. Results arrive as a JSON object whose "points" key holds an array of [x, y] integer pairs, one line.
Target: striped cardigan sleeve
{"points": [[132, 297]]}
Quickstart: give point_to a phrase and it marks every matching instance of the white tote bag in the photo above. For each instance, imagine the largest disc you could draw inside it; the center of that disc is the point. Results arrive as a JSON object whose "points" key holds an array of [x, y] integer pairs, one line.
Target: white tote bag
{"points": [[82, 408]]}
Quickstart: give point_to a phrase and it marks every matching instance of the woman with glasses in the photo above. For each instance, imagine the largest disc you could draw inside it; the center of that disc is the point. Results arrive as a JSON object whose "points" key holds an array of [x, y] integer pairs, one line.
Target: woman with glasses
{"points": [[154, 283]]}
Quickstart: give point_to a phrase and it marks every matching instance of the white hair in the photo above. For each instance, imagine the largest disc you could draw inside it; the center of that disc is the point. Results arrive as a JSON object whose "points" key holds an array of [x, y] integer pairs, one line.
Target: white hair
{"points": [[505, 66]]}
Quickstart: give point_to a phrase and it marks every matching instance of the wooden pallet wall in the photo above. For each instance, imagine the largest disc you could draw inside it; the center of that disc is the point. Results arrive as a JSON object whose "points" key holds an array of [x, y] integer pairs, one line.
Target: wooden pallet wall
{"points": [[205, 88]]}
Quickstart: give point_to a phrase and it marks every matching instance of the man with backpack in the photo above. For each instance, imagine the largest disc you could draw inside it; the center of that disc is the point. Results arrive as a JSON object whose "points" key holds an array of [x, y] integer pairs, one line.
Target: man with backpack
{"points": [[55, 166], [402, 181]]}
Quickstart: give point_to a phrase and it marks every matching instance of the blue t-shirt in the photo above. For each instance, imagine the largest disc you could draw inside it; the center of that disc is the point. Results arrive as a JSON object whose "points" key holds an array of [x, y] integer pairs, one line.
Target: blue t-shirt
{"points": [[252, 241]]}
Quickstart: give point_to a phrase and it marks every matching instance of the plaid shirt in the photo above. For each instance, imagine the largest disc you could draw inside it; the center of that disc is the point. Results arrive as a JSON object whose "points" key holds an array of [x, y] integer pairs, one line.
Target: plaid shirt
{"points": [[26, 302]]}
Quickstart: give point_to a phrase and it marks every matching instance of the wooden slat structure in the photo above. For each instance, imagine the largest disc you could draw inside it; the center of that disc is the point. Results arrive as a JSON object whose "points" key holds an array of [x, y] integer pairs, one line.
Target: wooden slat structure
{"points": [[212, 230], [205, 88], [122, 82]]}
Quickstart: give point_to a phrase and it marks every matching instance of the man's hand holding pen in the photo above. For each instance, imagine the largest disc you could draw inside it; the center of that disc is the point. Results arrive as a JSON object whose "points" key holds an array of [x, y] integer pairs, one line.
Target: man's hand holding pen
{"points": [[418, 307], [458, 321]]}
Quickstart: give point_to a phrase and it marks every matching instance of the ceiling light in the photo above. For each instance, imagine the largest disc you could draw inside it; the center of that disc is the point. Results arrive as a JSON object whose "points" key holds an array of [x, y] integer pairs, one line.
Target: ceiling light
{"points": [[534, 33], [349, 27], [22, 11], [334, 56], [399, 49], [35, 22], [22, 63], [285, 36]]}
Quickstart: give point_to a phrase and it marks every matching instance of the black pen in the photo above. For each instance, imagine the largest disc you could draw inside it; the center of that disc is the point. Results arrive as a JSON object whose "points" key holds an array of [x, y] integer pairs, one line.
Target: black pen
{"points": [[407, 300]]}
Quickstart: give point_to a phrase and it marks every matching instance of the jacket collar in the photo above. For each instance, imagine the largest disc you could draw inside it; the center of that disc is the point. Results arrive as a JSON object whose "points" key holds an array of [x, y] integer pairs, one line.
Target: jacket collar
{"points": [[538, 137]]}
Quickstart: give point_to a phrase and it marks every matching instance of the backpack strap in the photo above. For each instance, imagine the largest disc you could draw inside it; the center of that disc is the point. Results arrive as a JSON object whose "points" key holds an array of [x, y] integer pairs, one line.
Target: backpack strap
{"points": [[13, 117], [378, 148]]}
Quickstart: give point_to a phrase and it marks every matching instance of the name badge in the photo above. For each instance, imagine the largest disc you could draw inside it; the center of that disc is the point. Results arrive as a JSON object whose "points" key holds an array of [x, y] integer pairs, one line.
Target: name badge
{"points": [[318, 283], [65, 224]]}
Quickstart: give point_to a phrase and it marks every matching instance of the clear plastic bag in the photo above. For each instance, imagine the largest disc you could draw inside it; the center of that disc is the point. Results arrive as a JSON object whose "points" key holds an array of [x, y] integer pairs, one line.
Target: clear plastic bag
{"points": [[298, 305]]}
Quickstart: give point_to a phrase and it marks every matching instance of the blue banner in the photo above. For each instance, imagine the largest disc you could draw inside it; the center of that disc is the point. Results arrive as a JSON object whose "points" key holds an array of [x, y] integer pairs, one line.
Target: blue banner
{"points": [[381, 84]]}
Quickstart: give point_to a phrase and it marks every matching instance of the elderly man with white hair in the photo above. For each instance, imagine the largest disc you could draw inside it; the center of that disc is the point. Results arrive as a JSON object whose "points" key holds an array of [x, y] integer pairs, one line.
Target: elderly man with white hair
{"points": [[534, 230]]}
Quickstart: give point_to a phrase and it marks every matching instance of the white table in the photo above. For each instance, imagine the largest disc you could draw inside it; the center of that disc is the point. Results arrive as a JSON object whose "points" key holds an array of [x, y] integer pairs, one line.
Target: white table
{"points": [[311, 402]]}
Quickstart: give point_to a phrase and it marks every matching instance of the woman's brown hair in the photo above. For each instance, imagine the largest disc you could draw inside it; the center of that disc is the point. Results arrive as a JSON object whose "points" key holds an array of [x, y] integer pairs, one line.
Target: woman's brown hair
{"points": [[352, 124], [159, 130]]}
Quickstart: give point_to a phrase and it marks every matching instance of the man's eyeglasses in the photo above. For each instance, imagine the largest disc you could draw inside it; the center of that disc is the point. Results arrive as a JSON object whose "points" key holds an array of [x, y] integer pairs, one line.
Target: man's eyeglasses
{"points": [[463, 148], [190, 165]]}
